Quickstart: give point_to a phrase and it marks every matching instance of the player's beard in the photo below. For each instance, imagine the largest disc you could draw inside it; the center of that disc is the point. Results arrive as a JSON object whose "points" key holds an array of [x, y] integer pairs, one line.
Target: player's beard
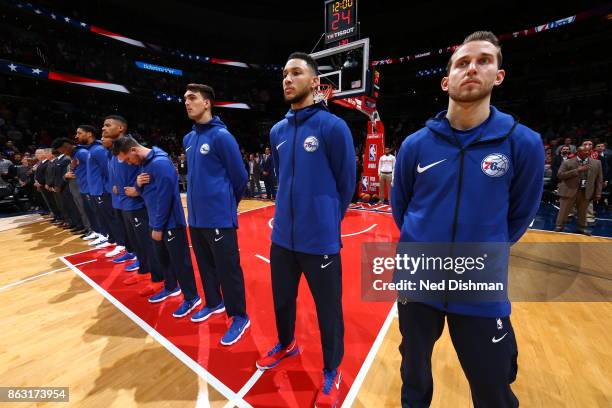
{"points": [[298, 98], [469, 97]]}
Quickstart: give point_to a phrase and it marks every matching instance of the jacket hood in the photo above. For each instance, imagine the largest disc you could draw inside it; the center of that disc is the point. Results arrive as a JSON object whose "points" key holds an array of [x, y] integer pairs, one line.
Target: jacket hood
{"points": [[498, 125], [306, 112], [215, 121], [155, 152]]}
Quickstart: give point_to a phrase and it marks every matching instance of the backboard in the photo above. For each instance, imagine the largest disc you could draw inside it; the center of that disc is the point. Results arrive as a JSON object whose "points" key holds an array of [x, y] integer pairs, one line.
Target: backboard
{"points": [[345, 67]]}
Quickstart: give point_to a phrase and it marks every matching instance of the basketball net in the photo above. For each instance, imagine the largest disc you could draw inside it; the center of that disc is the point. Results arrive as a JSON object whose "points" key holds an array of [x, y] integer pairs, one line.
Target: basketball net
{"points": [[323, 92]]}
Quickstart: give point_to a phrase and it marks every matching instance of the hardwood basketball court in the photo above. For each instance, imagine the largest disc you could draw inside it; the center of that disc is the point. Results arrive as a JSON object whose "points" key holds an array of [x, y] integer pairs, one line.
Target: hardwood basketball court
{"points": [[58, 331]]}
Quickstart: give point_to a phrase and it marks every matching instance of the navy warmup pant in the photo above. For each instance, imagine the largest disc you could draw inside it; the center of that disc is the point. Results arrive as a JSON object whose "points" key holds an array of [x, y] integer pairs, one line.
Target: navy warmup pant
{"points": [[324, 276], [216, 251], [486, 348], [175, 259]]}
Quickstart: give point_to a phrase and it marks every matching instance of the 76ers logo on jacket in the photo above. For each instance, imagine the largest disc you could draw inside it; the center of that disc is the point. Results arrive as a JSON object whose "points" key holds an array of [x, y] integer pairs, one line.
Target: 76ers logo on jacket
{"points": [[205, 148], [311, 144], [495, 165]]}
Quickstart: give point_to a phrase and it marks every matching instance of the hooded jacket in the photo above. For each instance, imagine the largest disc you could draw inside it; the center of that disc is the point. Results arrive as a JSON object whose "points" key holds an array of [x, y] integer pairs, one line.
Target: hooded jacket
{"points": [[216, 178], [123, 175], [161, 195], [97, 169], [487, 189], [81, 154], [314, 160]]}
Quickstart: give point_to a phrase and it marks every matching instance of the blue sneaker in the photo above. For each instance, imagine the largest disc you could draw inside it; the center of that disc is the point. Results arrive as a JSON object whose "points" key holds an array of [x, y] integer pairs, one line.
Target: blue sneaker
{"points": [[206, 312], [128, 256], [236, 330], [134, 266], [187, 306], [164, 294]]}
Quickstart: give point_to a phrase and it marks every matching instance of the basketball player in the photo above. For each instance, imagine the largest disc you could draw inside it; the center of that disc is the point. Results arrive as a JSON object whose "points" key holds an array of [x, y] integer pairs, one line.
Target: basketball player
{"points": [[215, 183], [473, 174], [158, 185], [314, 159], [127, 208]]}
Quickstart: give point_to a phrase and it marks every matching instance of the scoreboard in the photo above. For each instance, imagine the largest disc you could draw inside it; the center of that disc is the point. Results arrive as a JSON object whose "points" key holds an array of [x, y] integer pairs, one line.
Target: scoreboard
{"points": [[340, 20]]}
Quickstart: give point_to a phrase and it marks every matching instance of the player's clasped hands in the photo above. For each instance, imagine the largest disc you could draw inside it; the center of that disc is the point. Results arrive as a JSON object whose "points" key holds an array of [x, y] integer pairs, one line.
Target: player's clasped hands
{"points": [[142, 179]]}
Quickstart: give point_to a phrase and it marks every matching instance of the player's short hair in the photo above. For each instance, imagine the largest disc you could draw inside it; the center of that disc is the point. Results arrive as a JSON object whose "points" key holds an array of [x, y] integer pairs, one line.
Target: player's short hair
{"points": [[123, 144], [119, 119], [88, 129], [307, 58], [206, 91], [59, 142], [479, 36]]}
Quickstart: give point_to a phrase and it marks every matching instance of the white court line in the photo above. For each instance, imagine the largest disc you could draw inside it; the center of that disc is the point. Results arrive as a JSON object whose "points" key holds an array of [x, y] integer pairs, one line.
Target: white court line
{"points": [[365, 367], [245, 388], [360, 232], [178, 353], [31, 278], [263, 258]]}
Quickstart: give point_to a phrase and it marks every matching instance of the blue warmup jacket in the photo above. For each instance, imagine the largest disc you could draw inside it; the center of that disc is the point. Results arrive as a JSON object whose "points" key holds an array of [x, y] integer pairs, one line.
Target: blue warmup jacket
{"points": [[486, 191], [122, 175], [97, 169], [314, 160], [161, 195], [216, 178], [81, 154]]}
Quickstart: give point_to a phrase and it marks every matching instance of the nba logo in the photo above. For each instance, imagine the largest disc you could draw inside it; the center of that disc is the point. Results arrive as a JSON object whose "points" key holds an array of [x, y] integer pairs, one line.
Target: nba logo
{"points": [[364, 183], [372, 152]]}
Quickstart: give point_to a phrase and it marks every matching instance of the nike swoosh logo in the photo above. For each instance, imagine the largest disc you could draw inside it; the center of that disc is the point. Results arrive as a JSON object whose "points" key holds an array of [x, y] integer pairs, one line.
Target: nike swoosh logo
{"points": [[188, 148], [338, 382], [170, 239], [422, 169], [220, 238], [138, 225], [323, 266], [494, 340], [280, 144]]}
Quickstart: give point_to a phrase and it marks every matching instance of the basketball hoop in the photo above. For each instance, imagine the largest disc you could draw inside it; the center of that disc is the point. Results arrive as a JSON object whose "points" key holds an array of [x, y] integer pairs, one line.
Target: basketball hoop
{"points": [[323, 92]]}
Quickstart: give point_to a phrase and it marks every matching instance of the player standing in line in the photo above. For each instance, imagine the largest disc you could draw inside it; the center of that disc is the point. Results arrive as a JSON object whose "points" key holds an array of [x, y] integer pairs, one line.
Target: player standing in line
{"points": [[473, 174], [215, 183], [314, 159]]}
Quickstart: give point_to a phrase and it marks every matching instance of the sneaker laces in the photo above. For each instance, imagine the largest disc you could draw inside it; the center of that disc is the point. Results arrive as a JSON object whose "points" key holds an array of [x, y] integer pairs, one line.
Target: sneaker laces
{"points": [[328, 380], [275, 350]]}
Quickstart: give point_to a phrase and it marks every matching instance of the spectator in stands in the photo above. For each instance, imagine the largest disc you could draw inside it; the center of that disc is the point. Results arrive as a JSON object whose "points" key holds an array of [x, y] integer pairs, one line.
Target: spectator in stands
{"points": [[568, 143], [581, 182], [556, 164], [605, 157], [267, 171], [182, 171], [593, 154], [254, 175], [9, 149]]}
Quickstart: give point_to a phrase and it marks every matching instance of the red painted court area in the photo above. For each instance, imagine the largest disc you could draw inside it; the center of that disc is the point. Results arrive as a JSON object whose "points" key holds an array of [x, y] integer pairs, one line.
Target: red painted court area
{"points": [[294, 383]]}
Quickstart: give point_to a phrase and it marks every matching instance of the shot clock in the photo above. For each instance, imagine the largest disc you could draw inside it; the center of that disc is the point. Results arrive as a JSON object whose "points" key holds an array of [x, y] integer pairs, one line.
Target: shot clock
{"points": [[340, 20]]}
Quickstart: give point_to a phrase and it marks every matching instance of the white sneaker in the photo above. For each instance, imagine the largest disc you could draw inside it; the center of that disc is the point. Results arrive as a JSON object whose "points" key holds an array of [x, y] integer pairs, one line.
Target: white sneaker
{"points": [[91, 236], [104, 244], [118, 249], [98, 241]]}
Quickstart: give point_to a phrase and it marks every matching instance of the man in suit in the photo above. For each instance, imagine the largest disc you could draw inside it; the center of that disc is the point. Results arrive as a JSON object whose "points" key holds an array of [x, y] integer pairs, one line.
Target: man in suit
{"points": [[565, 154], [254, 175], [267, 171], [581, 181]]}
